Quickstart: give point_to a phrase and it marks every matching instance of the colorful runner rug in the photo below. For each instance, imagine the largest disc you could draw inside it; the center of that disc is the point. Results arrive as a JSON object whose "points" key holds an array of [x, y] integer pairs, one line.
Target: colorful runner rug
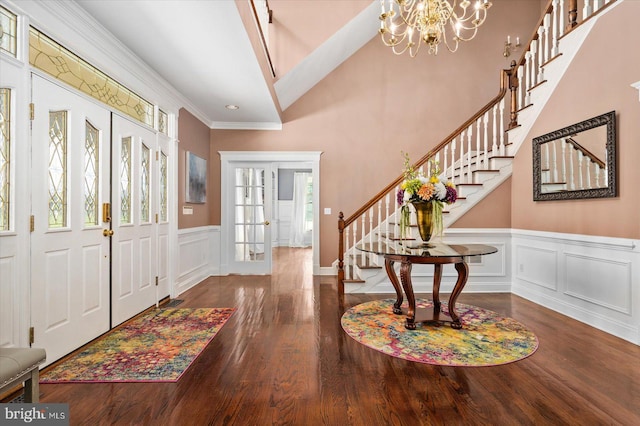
{"points": [[157, 346], [485, 339]]}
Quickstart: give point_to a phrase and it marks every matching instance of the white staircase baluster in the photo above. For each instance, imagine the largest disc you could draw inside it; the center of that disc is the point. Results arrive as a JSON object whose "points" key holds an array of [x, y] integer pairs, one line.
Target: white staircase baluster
{"points": [[597, 177], [564, 162], [541, 49], [446, 157], [379, 222], [587, 10], [521, 88], [588, 178], [554, 160], [478, 144], [545, 41], [561, 16], [363, 237], [502, 143], [533, 57], [572, 178], [529, 76], [554, 28], [462, 135], [545, 164], [347, 258], [494, 124], [485, 122], [453, 160], [580, 163], [469, 136], [388, 198]]}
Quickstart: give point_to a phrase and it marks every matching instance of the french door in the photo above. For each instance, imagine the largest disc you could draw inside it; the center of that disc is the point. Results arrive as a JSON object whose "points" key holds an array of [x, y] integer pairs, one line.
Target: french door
{"points": [[69, 246], [248, 216]]}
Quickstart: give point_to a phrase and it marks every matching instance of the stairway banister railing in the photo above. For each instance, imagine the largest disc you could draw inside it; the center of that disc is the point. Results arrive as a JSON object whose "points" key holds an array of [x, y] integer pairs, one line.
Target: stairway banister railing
{"points": [[534, 35], [437, 148]]}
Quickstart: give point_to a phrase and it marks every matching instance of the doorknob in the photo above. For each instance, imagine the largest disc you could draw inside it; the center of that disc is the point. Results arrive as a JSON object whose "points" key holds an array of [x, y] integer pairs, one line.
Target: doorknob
{"points": [[266, 222], [107, 232]]}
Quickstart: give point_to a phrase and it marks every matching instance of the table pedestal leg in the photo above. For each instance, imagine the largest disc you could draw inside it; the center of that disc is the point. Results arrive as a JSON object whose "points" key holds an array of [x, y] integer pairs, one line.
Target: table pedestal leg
{"points": [[437, 277], [391, 273], [463, 273], [405, 277]]}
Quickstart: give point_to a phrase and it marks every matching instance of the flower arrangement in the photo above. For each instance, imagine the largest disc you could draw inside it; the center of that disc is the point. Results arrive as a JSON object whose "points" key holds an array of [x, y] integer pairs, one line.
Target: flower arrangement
{"points": [[417, 187]]}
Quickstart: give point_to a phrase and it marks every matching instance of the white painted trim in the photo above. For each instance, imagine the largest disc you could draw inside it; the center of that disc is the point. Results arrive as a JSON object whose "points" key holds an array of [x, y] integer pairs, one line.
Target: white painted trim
{"points": [[304, 159], [239, 125], [636, 85]]}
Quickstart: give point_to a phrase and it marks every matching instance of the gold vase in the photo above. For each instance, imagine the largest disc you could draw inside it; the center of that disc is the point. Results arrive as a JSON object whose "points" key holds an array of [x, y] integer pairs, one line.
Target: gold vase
{"points": [[424, 216]]}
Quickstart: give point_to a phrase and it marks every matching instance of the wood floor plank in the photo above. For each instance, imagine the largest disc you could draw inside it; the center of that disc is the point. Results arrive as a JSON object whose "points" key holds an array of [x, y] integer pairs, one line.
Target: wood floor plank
{"points": [[283, 358]]}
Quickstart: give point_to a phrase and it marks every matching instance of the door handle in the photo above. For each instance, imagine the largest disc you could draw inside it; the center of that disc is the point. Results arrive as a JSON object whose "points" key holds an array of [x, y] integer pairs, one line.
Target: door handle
{"points": [[107, 232], [266, 222]]}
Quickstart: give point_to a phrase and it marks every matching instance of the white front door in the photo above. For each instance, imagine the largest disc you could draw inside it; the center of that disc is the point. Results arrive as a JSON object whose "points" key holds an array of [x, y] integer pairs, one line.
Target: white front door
{"points": [[248, 216], [69, 251], [134, 229]]}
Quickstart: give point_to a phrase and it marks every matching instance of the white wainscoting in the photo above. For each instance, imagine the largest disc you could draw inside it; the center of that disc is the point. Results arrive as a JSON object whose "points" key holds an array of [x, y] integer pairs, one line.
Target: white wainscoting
{"points": [[595, 280], [487, 274], [199, 256]]}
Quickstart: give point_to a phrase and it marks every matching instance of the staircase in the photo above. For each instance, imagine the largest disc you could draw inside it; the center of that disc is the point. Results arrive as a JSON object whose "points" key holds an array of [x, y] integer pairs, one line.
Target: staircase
{"points": [[478, 155]]}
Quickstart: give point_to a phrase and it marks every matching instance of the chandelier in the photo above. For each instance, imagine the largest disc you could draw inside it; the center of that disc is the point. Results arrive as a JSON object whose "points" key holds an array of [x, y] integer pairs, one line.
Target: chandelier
{"points": [[407, 24]]}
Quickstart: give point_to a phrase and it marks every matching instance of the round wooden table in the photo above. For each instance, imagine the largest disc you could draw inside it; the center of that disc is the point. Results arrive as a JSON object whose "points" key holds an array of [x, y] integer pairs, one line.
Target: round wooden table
{"points": [[437, 254]]}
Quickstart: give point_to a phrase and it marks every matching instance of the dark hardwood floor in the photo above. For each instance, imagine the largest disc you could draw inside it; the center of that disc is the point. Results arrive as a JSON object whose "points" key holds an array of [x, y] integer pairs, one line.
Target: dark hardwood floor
{"points": [[283, 359]]}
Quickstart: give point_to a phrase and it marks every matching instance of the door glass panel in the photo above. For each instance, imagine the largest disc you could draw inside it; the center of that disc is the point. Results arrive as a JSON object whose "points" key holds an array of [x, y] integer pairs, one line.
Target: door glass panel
{"points": [[5, 157], [57, 169], [8, 32], [145, 172], [163, 188], [125, 180], [249, 214], [91, 174]]}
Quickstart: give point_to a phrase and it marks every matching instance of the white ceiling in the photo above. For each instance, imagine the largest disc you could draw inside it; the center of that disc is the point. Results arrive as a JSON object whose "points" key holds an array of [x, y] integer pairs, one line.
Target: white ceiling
{"points": [[202, 49]]}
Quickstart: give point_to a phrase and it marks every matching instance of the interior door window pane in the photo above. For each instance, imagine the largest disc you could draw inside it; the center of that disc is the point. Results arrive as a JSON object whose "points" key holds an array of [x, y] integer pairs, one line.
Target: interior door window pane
{"points": [[145, 172], [164, 188], [57, 169], [91, 174], [5, 158], [125, 180]]}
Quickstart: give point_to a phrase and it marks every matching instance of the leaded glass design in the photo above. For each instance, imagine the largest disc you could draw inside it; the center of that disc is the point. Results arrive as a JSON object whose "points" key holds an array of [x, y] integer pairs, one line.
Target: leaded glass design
{"points": [[164, 188], [57, 169], [145, 172], [163, 122], [91, 174], [8, 32], [52, 58], [125, 180], [5, 158]]}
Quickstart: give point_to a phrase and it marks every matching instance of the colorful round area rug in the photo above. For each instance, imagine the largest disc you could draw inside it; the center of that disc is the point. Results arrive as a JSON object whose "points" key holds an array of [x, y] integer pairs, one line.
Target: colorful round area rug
{"points": [[485, 339]]}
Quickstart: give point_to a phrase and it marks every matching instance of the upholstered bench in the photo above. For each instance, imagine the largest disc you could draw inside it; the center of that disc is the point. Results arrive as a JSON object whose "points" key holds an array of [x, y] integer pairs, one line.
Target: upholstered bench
{"points": [[19, 365]]}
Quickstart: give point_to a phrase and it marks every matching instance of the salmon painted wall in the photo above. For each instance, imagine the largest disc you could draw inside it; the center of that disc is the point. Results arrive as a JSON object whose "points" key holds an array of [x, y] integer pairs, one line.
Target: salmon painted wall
{"points": [[377, 104], [194, 137], [597, 81]]}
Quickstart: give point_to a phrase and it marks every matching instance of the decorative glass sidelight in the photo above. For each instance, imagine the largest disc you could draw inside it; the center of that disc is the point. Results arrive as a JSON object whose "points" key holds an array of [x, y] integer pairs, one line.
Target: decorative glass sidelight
{"points": [[54, 59], [5, 158], [8, 32], [91, 174], [57, 169], [125, 180], [164, 188], [163, 122], [145, 173]]}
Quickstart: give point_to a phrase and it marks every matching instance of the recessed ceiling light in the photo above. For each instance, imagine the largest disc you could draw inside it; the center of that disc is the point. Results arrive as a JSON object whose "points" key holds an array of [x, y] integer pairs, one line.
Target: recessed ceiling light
{"points": [[232, 107]]}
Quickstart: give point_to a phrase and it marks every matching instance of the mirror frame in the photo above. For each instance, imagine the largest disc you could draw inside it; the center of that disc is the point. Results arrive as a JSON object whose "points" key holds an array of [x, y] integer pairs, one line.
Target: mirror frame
{"points": [[608, 119]]}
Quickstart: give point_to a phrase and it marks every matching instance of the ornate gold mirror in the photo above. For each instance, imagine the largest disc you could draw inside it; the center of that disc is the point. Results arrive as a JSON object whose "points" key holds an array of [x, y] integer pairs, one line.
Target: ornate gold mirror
{"points": [[578, 161]]}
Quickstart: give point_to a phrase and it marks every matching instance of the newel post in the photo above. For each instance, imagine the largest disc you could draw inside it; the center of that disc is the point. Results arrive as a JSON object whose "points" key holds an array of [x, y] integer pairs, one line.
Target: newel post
{"points": [[513, 86], [341, 254]]}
